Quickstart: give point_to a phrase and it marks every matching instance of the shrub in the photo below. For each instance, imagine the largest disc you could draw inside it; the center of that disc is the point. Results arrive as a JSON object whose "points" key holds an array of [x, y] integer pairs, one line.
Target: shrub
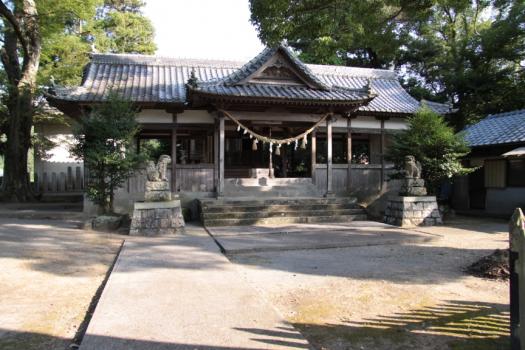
{"points": [[105, 142], [434, 144]]}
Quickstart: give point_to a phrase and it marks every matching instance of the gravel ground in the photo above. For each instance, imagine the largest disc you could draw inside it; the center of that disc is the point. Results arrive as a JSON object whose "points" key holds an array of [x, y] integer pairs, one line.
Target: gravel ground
{"points": [[50, 273], [406, 296]]}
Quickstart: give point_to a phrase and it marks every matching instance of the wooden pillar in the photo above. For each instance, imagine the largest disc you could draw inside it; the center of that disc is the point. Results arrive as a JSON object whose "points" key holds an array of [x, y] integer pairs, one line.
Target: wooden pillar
{"points": [[382, 146], [270, 155], [329, 156], [220, 189], [349, 154], [216, 156], [174, 154], [313, 145]]}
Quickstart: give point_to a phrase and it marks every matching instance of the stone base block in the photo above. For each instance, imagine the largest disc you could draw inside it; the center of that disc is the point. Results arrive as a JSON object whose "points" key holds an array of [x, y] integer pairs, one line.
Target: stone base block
{"points": [[156, 218], [409, 211], [413, 183], [157, 186], [157, 196], [413, 191]]}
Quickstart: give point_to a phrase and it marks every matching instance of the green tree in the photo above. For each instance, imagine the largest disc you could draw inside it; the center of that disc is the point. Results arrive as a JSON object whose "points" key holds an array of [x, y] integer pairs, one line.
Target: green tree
{"points": [[105, 143], [114, 26], [469, 52], [49, 40], [367, 33], [434, 144]]}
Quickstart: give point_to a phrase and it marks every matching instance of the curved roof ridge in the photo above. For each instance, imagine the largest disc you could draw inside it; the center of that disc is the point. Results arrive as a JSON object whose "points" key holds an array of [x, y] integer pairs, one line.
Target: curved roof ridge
{"points": [[113, 58], [320, 69]]}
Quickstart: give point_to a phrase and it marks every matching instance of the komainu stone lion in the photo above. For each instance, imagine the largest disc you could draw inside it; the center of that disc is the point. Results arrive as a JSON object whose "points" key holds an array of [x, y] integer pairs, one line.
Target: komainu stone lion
{"points": [[162, 167], [412, 168], [158, 172]]}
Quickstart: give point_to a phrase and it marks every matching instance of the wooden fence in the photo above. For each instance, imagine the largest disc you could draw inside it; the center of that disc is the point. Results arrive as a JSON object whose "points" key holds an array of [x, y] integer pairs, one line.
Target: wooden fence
{"points": [[71, 180]]}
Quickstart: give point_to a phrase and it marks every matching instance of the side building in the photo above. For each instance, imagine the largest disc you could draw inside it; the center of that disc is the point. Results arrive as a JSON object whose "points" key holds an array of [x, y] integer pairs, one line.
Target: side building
{"points": [[497, 187]]}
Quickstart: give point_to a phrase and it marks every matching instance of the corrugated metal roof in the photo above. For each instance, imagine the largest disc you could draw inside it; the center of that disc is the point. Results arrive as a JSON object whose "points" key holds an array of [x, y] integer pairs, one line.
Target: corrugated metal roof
{"points": [[501, 128], [163, 79]]}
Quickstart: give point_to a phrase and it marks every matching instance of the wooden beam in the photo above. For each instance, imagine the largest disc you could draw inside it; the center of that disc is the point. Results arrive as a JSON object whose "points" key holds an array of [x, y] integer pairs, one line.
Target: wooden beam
{"points": [[174, 154], [314, 154], [329, 167]]}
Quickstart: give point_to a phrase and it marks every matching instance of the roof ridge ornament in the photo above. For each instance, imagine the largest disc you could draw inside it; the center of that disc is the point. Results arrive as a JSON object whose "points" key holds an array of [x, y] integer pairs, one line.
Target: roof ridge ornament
{"points": [[193, 81]]}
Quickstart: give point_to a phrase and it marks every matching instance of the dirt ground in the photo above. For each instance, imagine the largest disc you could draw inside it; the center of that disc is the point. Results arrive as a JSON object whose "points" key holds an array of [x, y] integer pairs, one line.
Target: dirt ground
{"points": [[49, 273], [409, 296]]}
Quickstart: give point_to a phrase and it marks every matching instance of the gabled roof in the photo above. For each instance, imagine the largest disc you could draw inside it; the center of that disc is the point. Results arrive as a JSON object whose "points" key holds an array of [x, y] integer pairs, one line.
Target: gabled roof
{"points": [[275, 76], [242, 75], [162, 80], [496, 129]]}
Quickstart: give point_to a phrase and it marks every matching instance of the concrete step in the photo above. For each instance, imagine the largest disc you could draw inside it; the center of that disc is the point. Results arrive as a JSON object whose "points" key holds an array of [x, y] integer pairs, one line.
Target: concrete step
{"points": [[270, 213], [285, 220], [278, 208]]}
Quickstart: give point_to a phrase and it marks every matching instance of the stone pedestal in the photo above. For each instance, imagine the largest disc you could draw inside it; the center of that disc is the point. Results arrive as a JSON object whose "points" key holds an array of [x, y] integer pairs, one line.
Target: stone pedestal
{"points": [[156, 218], [409, 211]]}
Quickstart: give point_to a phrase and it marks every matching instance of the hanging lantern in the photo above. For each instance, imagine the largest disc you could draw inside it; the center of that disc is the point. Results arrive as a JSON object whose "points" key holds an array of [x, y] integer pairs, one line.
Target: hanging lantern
{"points": [[238, 128], [303, 144], [245, 131], [254, 145], [278, 150], [296, 144], [251, 136]]}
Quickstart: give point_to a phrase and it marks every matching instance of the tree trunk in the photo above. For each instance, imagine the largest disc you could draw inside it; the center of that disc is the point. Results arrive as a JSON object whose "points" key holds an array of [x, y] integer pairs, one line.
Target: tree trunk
{"points": [[16, 182], [22, 39]]}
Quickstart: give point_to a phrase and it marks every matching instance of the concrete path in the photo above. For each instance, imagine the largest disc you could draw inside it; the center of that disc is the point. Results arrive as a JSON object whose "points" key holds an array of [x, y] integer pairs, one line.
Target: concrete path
{"points": [[259, 238], [182, 293]]}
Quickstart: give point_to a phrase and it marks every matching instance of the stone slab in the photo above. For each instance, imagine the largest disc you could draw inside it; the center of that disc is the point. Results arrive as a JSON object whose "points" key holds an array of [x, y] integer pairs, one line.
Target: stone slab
{"points": [[245, 239], [182, 293], [158, 205], [410, 199]]}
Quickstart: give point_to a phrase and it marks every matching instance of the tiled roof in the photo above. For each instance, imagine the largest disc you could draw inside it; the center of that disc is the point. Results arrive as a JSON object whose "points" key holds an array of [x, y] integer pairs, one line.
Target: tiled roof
{"points": [[153, 79], [439, 108], [501, 128]]}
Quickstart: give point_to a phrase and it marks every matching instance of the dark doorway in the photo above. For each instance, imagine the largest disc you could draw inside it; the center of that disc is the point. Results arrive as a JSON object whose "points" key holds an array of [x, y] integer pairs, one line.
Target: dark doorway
{"points": [[477, 191]]}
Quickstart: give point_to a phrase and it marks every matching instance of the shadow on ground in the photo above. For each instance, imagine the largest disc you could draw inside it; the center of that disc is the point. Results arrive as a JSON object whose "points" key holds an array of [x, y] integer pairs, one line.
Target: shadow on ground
{"points": [[455, 325], [37, 341], [56, 247]]}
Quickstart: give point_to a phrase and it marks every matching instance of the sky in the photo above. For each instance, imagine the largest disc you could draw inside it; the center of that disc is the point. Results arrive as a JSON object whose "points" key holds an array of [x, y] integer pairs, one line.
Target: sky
{"points": [[218, 29]]}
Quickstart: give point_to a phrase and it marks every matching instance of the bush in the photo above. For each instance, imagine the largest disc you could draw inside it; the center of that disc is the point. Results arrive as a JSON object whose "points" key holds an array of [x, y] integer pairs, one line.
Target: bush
{"points": [[434, 144]]}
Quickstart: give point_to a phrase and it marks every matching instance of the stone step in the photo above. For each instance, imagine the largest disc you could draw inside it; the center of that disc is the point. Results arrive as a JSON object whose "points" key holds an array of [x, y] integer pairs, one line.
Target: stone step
{"points": [[227, 208], [250, 201], [269, 213], [267, 182], [285, 220], [43, 215]]}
